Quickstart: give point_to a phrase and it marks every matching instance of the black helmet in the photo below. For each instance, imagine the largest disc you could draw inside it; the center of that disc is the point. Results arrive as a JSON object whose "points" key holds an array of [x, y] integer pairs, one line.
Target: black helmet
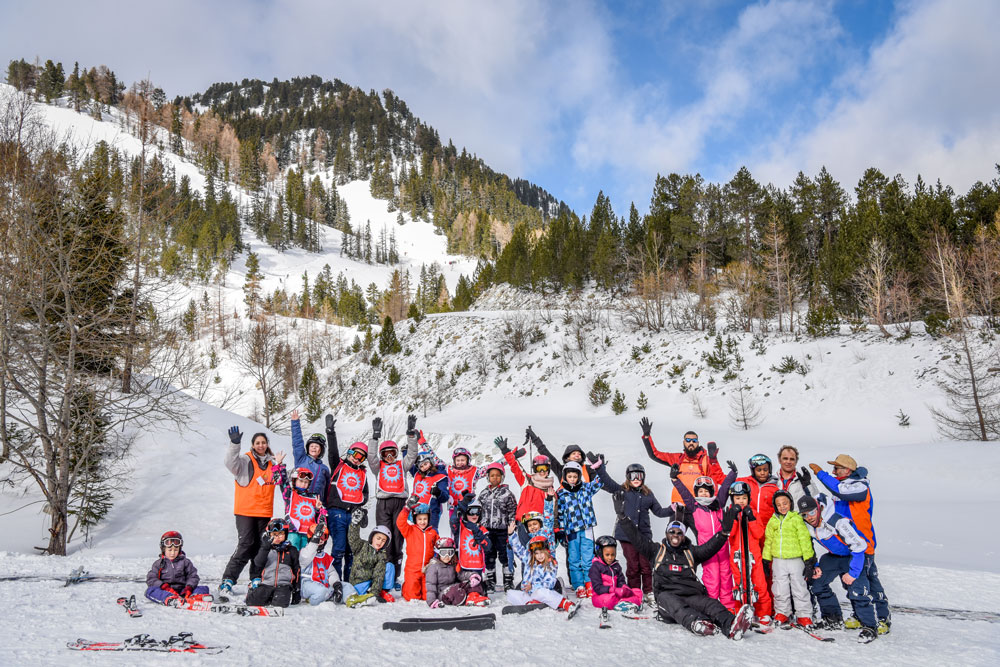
{"points": [[633, 469], [739, 488], [604, 541]]}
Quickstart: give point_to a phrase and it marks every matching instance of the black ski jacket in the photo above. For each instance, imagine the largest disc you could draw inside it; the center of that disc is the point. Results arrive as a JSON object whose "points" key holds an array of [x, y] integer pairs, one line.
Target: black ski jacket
{"points": [[674, 569]]}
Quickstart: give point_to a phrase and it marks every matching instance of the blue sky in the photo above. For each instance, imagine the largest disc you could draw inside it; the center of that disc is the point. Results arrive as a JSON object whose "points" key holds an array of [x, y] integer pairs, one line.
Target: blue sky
{"points": [[589, 95]]}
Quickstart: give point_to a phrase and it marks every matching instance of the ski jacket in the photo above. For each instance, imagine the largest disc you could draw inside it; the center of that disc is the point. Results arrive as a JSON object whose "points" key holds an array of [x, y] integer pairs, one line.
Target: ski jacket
{"points": [[674, 568], [464, 479], [692, 467], [280, 567], [755, 540], [707, 518], [536, 575], [179, 573], [419, 543], [838, 534], [794, 487], [854, 500], [499, 506], [532, 497], [302, 507], [348, 489], [317, 565], [575, 508], [606, 578], [369, 564], [424, 484], [548, 528], [390, 477], [439, 576], [589, 474], [787, 537], [320, 471], [638, 505], [254, 494], [472, 543], [762, 497]]}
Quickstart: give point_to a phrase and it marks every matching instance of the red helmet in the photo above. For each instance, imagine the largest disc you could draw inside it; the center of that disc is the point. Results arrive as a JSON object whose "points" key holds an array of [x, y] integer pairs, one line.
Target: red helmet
{"points": [[171, 538], [540, 460], [538, 542], [302, 473]]}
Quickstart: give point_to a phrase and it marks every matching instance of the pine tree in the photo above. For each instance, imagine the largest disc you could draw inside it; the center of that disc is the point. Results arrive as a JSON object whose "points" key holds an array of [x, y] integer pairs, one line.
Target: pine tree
{"points": [[393, 377], [600, 391], [618, 405], [387, 341], [190, 319], [642, 402], [309, 391], [251, 285]]}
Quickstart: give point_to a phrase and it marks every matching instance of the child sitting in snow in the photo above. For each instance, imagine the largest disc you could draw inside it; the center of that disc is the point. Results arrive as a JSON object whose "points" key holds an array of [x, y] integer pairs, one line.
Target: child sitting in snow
{"points": [[540, 574], [320, 581], [372, 576], [173, 578], [443, 585], [302, 507], [608, 581], [279, 564]]}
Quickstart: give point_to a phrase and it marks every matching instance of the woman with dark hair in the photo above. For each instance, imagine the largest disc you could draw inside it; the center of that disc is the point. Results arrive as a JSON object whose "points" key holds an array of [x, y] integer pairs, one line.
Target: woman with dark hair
{"points": [[253, 502]]}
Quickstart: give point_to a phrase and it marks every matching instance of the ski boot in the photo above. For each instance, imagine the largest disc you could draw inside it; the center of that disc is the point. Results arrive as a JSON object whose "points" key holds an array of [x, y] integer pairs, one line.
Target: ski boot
{"points": [[804, 621], [338, 593], [589, 588], [741, 623], [867, 635], [581, 592], [508, 580], [832, 623], [884, 627], [386, 596], [626, 607], [764, 622], [703, 628], [852, 623], [490, 583], [650, 598], [359, 600], [254, 583], [226, 588], [569, 607]]}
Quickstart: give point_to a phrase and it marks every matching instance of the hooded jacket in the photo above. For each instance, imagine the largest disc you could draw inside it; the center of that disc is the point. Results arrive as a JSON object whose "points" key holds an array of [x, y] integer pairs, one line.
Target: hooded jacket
{"points": [[838, 534], [499, 506], [575, 505], [179, 573], [369, 564], [854, 500], [557, 467], [605, 578], [280, 565], [787, 537], [320, 471], [637, 505], [439, 576], [761, 496]]}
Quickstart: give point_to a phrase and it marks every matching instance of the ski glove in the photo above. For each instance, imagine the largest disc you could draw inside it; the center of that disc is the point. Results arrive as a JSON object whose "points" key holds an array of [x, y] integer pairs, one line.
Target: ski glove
{"points": [[330, 422], [531, 436], [647, 427], [412, 501], [166, 587], [618, 499], [804, 477], [234, 435], [675, 471], [358, 516], [748, 513], [713, 450], [501, 444], [767, 569], [809, 566], [411, 424], [377, 428], [186, 592], [519, 452], [731, 465], [728, 517], [436, 492]]}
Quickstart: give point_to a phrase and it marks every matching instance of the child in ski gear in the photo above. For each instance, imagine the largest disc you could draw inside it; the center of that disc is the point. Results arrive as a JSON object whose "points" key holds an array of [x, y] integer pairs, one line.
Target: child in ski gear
{"points": [[571, 453], [348, 491], [499, 508], [850, 487], [705, 508], [739, 491], [540, 574], [762, 484], [372, 576], [420, 540], [309, 454], [473, 541], [789, 479], [319, 579], [443, 585], [303, 508], [534, 487], [693, 462], [173, 577], [430, 483], [253, 501], [279, 564], [462, 476], [789, 554], [639, 502], [607, 580], [845, 559], [680, 597], [391, 489], [575, 500]]}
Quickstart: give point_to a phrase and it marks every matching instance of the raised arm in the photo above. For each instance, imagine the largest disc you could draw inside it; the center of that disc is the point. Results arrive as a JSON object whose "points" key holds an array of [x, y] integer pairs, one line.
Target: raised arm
{"points": [[299, 454], [656, 509], [726, 483], [609, 485], [332, 451], [554, 463], [412, 447]]}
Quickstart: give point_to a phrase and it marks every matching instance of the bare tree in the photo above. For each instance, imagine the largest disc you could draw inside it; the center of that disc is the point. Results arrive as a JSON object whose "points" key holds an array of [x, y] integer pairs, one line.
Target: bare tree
{"points": [[256, 352], [744, 409], [873, 281]]}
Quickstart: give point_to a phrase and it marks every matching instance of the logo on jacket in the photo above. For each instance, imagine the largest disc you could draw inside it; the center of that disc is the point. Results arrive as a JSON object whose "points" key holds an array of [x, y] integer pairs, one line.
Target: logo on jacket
{"points": [[352, 481]]}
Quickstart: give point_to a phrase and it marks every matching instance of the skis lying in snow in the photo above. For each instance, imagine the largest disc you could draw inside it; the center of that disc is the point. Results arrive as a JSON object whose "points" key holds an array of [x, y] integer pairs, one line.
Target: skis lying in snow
{"points": [[238, 609], [941, 612], [770, 629], [522, 608], [180, 643], [130, 606], [426, 624]]}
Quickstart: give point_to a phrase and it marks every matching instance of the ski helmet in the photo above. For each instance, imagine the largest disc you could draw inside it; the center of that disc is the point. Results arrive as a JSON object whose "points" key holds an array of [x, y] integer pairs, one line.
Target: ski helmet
{"points": [[302, 473], [604, 541], [461, 451], [171, 538], [279, 525], [496, 465], [532, 516], [359, 447], [739, 488], [538, 542], [320, 440], [424, 457], [422, 508], [475, 509], [385, 447], [540, 460], [444, 546], [705, 482], [760, 460], [381, 530], [635, 470], [572, 466], [786, 494]]}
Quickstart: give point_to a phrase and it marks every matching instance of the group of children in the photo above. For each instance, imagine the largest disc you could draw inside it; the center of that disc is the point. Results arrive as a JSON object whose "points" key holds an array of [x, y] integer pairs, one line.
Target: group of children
{"points": [[765, 560]]}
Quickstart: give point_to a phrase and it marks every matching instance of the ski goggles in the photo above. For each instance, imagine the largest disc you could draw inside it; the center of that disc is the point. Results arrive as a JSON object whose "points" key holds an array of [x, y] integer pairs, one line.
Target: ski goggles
{"points": [[446, 552], [538, 546], [357, 453], [474, 511], [302, 474], [541, 467], [690, 439], [634, 475], [739, 489], [173, 542]]}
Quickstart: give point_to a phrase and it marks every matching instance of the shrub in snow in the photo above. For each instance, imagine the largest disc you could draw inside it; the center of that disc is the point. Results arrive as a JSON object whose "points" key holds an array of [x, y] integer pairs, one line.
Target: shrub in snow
{"points": [[642, 402], [618, 405], [600, 391]]}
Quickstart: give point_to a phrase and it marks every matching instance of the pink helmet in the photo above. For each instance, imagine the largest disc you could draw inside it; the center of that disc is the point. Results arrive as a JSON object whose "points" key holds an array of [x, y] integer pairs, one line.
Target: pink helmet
{"points": [[387, 444], [461, 451], [496, 465], [360, 446], [540, 460]]}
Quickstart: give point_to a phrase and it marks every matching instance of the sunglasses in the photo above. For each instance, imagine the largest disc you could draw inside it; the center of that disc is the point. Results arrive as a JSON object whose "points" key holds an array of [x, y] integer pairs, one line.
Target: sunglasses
{"points": [[690, 439], [172, 542], [675, 532]]}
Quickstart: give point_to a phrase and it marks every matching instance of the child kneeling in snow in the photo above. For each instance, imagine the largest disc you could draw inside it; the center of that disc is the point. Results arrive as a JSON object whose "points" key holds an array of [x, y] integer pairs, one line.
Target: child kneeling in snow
{"points": [[540, 572], [320, 581], [279, 563], [607, 579], [372, 576], [173, 578]]}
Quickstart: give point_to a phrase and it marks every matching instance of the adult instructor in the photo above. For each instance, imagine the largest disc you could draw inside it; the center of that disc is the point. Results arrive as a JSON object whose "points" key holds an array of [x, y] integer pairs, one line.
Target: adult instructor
{"points": [[693, 462], [253, 501]]}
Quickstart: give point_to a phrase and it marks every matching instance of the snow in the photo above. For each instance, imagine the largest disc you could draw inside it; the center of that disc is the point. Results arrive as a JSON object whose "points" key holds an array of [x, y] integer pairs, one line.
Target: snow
{"points": [[935, 500]]}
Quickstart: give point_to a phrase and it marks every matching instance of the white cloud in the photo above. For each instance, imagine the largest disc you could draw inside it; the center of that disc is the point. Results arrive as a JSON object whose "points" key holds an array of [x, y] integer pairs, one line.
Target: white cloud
{"points": [[925, 102]]}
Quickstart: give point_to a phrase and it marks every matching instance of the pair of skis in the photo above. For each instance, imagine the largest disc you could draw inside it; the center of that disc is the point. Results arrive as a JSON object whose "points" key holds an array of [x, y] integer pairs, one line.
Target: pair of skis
{"points": [[179, 643], [427, 624], [229, 608], [532, 606], [796, 626]]}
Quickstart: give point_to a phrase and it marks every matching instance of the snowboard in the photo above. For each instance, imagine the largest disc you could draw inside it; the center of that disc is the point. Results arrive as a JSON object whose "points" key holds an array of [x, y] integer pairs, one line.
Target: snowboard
{"points": [[480, 622], [180, 643]]}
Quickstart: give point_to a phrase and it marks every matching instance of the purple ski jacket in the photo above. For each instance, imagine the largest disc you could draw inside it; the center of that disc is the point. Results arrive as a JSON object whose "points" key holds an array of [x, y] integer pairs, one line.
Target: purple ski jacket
{"points": [[179, 573]]}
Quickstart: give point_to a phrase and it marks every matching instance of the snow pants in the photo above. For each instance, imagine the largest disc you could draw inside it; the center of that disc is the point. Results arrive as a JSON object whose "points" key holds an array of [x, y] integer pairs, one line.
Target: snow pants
{"points": [[878, 593], [790, 588], [638, 570], [718, 577], [686, 609], [158, 595], [248, 531], [497, 550], [764, 604], [414, 582], [316, 592], [263, 595], [580, 549], [363, 587], [386, 512], [609, 600], [859, 593], [543, 595], [338, 521]]}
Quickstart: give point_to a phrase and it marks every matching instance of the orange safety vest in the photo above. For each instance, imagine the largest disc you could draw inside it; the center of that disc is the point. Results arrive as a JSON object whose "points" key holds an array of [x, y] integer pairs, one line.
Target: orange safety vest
{"points": [[257, 497]]}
